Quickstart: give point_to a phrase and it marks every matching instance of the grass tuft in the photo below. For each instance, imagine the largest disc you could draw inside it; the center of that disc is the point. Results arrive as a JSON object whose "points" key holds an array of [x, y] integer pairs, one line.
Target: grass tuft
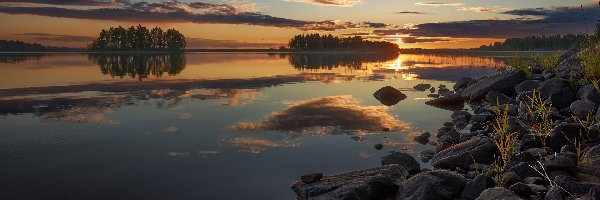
{"points": [[505, 141], [540, 111]]}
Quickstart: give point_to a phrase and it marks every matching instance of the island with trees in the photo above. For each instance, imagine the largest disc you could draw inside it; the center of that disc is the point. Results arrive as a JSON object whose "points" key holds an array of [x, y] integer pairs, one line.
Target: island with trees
{"points": [[316, 42], [138, 38]]}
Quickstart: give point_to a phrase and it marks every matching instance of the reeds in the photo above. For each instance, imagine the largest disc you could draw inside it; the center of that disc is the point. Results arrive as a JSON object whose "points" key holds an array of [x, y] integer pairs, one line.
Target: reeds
{"points": [[505, 141], [540, 111]]}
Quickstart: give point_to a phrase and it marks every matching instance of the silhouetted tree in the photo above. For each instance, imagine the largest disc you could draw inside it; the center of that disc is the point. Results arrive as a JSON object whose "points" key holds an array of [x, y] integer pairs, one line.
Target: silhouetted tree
{"points": [[138, 39], [538, 43], [138, 65], [328, 42]]}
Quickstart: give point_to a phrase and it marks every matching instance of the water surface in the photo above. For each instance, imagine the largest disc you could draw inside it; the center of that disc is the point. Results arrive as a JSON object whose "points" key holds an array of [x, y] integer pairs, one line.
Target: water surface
{"points": [[207, 125]]}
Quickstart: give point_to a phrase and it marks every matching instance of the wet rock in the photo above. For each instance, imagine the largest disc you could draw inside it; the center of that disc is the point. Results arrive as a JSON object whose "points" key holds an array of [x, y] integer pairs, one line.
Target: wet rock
{"points": [[426, 155], [311, 178], [511, 178], [422, 87], [374, 183], [583, 108], [448, 102], [434, 95], [432, 185], [477, 149], [497, 98], [378, 146], [527, 85], [549, 87], [464, 82], [499, 193], [389, 96], [563, 98], [589, 92], [474, 187], [422, 138], [521, 189], [356, 138], [432, 90], [403, 159], [503, 82], [563, 134]]}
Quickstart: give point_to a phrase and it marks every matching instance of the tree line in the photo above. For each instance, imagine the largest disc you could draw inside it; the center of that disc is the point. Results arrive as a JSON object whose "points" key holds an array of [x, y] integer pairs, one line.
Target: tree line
{"points": [[138, 39], [311, 42], [20, 46], [538, 43]]}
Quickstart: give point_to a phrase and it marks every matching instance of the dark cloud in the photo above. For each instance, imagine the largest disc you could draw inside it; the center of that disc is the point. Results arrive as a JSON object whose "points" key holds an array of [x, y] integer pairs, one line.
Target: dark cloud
{"points": [[71, 2], [375, 24], [339, 3], [562, 20], [411, 40], [58, 38], [411, 12], [211, 43]]}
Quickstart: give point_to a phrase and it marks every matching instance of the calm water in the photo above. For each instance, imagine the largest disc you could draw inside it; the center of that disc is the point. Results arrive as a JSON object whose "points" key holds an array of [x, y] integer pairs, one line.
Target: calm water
{"points": [[204, 125]]}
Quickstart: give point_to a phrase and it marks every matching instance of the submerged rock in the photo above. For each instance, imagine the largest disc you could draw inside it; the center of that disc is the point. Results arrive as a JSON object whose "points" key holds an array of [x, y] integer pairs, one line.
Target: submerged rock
{"points": [[374, 183], [403, 159], [389, 96], [477, 149], [432, 185], [503, 82], [422, 87]]}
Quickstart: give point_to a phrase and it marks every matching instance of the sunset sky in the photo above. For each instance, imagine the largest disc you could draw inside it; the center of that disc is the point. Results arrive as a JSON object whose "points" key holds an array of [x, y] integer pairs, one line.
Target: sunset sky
{"points": [[270, 23]]}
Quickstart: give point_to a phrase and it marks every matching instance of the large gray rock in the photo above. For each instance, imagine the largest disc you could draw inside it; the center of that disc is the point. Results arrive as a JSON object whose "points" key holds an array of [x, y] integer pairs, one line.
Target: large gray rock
{"points": [[583, 108], [374, 183], [563, 134], [548, 87], [563, 98], [527, 85], [589, 92], [477, 149], [464, 82], [403, 159], [499, 193], [474, 187], [503, 82], [497, 98], [389, 96], [560, 163], [432, 185]]}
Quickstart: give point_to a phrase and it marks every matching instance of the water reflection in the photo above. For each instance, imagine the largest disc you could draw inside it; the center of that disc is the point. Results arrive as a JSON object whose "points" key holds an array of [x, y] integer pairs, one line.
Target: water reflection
{"points": [[306, 61], [15, 58], [139, 65]]}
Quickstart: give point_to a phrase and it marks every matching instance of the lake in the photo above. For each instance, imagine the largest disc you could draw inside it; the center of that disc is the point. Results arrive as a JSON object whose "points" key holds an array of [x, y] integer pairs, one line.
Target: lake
{"points": [[208, 125]]}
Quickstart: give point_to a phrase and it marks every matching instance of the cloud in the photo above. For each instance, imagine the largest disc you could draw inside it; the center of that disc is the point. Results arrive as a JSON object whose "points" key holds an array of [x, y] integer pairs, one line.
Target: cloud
{"points": [[335, 114], [339, 3], [200, 13], [477, 9], [411, 40], [71, 2], [213, 43], [439, 4], [375, 24], [411, 12], [58, 38], [548, 21]]}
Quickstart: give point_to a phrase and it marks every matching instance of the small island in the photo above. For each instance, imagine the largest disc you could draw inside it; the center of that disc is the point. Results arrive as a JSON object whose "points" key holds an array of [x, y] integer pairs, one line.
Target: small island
{"points": [[316, 42], [138, 39]]}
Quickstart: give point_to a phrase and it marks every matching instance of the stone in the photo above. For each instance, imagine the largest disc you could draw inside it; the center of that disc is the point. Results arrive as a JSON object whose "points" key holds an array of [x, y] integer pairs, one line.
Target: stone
{"points": [[583, 108], [389, 96], [527, 85], [538, 189], [555, 193], [502, 82], [589, 92], [374, 183], [432, 185], [524, 170], [511, 178], [464, 82], [559, 163], [521, 189], [422, 138], [563, 134], [434, 95], [482, 118], [448, 102], [474, 187], [311, 178], [538, 152], [432, 90], [378, 146], [499, 193], [563, 98], [477, 149], [422, 87], [426, 155], [497, 98], [576, 187], [548, 87], [403, 159], [535, 180]]}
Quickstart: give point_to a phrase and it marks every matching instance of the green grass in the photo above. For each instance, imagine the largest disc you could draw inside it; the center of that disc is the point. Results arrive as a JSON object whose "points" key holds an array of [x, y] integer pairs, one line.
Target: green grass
{"points": [[550, 61], [505, 142], [540, 111], [591, 65], [520, 62]]}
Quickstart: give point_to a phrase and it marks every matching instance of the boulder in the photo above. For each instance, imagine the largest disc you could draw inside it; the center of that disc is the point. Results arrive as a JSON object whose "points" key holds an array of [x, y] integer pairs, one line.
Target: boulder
{"points": [[448, 102], [563, 134], [555, 193], [497, 98], [422, 138], [432, 185], [560, 163], [548, 87], [464, 82], [563, 98], [374, 183], [511, 178], [583, 108], [499, 193], [422, 87], [311, 178], [527, 85], [403, 159], [503, 82], [474, 187], [521, 189], [589, 92], [477, 149], [524, 170], [389, 96], [577, 188]]}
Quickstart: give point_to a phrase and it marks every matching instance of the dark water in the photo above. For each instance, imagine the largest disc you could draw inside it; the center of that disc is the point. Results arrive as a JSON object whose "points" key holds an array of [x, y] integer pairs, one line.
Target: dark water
{"points": [[206, 126]]}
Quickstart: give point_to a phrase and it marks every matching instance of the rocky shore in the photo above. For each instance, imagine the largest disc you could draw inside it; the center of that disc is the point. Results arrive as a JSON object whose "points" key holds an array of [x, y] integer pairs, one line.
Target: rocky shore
{"points": [[529, 135]]}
